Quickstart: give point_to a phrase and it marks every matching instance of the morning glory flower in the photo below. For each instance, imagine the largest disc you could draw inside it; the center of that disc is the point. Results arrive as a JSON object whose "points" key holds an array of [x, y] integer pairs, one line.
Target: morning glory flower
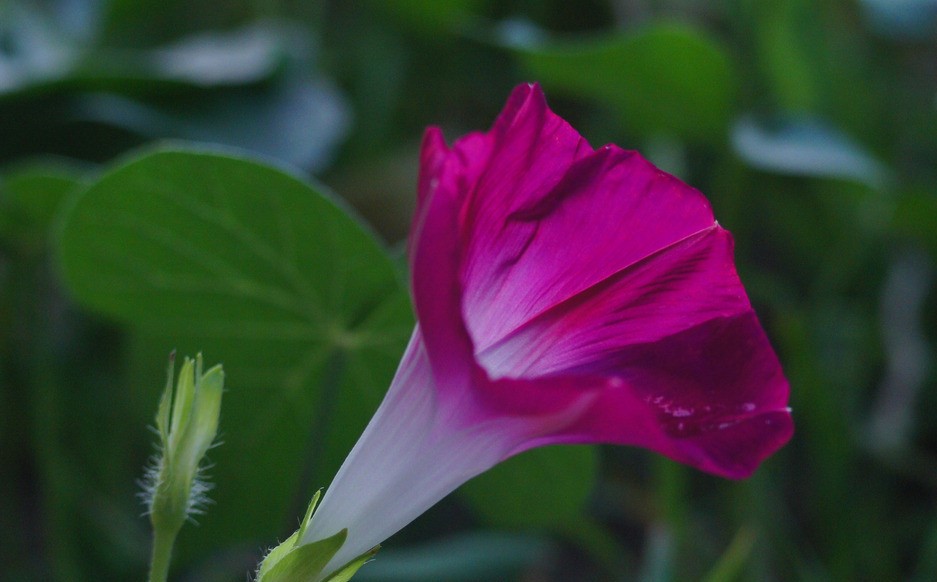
{"points": [[564, 294]]}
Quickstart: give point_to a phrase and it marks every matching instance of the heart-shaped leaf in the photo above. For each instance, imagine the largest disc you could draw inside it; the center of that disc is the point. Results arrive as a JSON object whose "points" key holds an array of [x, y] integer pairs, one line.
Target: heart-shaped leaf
{"points": [[260, 271]]}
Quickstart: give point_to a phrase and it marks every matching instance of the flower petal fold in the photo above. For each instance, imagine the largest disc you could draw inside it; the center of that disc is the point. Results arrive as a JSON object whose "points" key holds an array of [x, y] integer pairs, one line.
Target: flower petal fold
{"points": [[712, 396], [610, 210], [679, 286]]}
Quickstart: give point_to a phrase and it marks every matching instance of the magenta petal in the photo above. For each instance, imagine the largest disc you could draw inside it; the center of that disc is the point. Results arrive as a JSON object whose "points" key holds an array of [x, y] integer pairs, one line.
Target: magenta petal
{"points": [[474, 185], [610, 210], [533, 215], [678, 287], [717, 391], [588, 292], [712, 396], [434, 259], [578, 289]]}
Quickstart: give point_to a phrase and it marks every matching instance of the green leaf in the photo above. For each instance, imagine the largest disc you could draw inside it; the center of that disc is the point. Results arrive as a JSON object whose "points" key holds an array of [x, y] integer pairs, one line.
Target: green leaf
{"points": [[665, 78], [297, 120], [211, 252], [539, 488], [915, 215], [237, 88], [30, 195], [34, 49], [906, 21], [789, 44], [805, 147], [44, 57], [142, 22], [430, 16]]}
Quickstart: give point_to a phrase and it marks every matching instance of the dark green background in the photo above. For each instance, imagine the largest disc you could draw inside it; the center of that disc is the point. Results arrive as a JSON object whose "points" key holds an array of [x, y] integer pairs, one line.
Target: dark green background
{"points": [[268, 234]]}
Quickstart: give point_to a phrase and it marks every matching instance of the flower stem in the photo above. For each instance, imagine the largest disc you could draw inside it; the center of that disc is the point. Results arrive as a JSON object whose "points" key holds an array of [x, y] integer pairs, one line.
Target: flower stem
{"points": [[163, 540]]}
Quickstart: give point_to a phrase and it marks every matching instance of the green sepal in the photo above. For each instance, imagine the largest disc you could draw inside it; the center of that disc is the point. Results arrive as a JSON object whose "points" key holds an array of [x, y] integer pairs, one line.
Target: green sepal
{"points": [[284, 548], [274, 556], [294, 562], [203, 411], [165, 402], [307, 519], [302, 563], [345, 573], [182, 403]]}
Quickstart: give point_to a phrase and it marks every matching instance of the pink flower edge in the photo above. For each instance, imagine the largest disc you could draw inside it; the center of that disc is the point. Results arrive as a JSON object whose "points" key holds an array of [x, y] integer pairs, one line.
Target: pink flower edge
{"points": [[549, 276]]}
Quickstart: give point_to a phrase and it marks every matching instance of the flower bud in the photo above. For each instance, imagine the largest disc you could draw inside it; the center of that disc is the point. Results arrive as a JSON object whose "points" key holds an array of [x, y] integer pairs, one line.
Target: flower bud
{"points": [[187, 422]]}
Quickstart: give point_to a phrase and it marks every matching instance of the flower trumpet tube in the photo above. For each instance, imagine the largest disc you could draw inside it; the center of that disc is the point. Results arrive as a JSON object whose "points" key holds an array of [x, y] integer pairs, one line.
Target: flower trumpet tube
{"points": [[564, 294]]}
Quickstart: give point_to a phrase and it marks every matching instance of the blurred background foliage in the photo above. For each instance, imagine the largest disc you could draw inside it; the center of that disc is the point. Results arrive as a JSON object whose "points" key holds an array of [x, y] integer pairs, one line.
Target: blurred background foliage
{"points": [[811, 125]]}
